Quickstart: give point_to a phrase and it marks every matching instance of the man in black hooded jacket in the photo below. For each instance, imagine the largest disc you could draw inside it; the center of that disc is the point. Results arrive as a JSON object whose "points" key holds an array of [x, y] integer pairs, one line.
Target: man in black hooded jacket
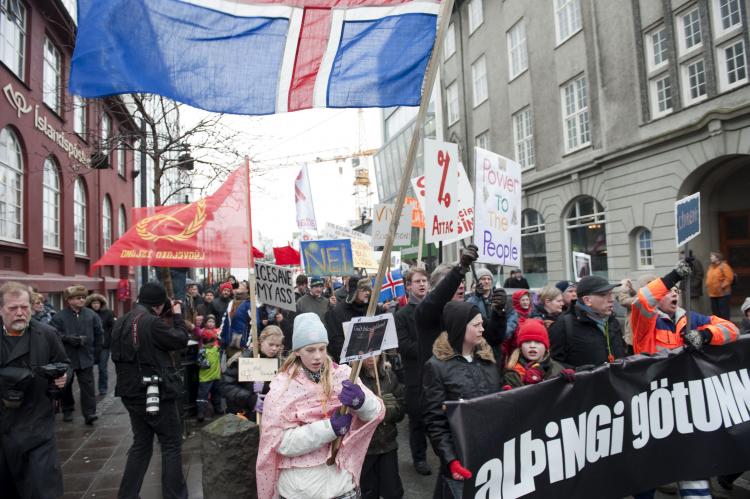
{"points": [[354, 306]]}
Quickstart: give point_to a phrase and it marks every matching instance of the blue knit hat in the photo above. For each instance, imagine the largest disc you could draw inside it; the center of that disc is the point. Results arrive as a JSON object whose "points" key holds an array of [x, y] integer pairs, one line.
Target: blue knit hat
{"points": [[308, 330]]}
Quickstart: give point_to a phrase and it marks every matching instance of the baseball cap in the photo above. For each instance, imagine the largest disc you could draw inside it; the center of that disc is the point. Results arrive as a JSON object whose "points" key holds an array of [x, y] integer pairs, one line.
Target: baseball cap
{"points": [[592, 285]]}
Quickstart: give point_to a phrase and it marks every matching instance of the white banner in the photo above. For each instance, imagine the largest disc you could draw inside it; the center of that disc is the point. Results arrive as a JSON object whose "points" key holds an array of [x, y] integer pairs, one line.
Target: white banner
{"points": [[382, 214], [497, 211], [441, 190], [303, 201], [274, 285]]}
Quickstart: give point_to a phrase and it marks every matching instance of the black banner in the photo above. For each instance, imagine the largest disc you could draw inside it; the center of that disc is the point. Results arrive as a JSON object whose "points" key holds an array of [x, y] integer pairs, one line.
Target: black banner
{"points": [[618, 430]]}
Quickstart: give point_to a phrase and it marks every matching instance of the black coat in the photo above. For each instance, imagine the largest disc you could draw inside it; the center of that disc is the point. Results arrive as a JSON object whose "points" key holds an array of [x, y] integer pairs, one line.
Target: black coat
{"points": [[108, 322], [84, 323], [406, 328], [239, 395], [449, 376], [513, 283], [393, 395], [576, 340], [157, 338]]}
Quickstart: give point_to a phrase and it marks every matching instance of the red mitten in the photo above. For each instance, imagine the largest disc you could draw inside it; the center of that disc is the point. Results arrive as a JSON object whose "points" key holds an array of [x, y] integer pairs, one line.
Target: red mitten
{"points": [[569, 375], [506, 388], [458, 471], [533, 376]]}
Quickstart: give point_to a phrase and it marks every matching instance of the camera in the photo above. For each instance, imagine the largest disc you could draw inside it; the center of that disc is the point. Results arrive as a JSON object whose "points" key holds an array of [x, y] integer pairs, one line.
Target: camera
{"points": [[52, 372], [152, 394]]}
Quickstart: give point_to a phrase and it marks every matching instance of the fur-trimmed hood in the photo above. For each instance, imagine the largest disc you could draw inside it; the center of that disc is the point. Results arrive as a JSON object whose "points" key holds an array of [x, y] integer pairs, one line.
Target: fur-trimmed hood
{"points": [[96, 297], [442, 349]]}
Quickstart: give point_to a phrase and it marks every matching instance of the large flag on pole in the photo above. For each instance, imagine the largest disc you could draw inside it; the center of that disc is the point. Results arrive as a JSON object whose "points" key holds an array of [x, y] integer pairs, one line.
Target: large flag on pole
{"points": [[256, 56], [211, 232], [303, 201]]}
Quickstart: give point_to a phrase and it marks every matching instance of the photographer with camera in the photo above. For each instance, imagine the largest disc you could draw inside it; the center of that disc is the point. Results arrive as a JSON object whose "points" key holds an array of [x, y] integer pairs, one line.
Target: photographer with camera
{"points": [[33, 369], [150, 387]]}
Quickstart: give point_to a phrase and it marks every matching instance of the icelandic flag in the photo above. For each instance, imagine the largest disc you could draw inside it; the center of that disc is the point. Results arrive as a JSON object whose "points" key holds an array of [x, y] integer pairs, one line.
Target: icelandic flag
{"points": [[256, 56], [393, 286]]}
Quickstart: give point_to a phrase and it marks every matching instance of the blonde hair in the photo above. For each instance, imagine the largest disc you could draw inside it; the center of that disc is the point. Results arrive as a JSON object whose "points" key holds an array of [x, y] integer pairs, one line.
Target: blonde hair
{"points": [[293, 363], [269, 331], [548, 292]]}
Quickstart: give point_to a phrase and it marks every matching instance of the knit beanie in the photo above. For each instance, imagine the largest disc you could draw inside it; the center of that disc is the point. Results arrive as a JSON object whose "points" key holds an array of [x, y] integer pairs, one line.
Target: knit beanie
{"points": [[225, 285], [484, 273], [564, 285], [152, 294], [308, 330], [456, 315], [533, 330]]}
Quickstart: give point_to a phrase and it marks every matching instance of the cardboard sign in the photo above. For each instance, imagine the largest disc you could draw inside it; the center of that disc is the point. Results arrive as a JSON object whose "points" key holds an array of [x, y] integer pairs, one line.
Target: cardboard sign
{"points": [[382, 214], [497, 220], [257, 369], [417, 215], [327, 257], [581, 265], [687, 218], [361, 249], [395, 259], [441, 190], [368, 336], [274, 285]]}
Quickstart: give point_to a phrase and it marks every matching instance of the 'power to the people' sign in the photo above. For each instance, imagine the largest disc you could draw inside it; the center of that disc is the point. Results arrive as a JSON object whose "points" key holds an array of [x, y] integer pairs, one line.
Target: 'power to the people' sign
{"points": [[687, 218]]}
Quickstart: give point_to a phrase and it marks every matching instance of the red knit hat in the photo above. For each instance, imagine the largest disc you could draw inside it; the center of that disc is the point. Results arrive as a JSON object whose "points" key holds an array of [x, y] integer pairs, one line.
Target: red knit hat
{"points": [[225, 285], [533, 330]]}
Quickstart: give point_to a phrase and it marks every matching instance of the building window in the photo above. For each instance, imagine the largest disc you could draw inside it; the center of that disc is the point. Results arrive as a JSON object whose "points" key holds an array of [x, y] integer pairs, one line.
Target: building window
{"points": [[121, 159], [533, 248], [689, 30], [79, 217], [575, 114], [567, 19], [11, 187], [733, 64], [51, 206], [13, 36], [52, 76], [449, 47], [727, 15], [106, 130], [122, 222], [645, 250], [694, 76], [661, 96], [518, 60], [79, 115], [479, 79], [586, 223], [523, 135], [476, 16], [452, 101], [656, 48], [483, 140], [106, 223]]}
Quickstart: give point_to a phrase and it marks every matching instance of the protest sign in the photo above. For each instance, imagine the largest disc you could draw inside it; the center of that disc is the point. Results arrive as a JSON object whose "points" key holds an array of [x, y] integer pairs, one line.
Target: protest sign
{"points": [[465, 217], [417, 215], [382, 214], [327, 257], [257, 369], [687, 215], [361, 249], [497, 209], [274, 286], [678, 415], [441, 190], [395, 259], [368, 336], [581, 265]]}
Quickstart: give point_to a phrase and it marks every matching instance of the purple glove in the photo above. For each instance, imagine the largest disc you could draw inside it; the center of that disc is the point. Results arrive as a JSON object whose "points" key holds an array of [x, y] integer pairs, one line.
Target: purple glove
{"points": [[351, 395], [258, 386], [259, 403], [341, 423]]}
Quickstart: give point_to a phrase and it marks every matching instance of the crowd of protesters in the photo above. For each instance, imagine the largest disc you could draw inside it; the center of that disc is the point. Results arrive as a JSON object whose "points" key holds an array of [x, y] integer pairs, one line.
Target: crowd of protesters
{"points": [[454, 343]]}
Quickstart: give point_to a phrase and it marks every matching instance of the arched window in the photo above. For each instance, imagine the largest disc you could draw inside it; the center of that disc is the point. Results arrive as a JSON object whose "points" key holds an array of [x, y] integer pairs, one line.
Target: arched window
{"points": [[122, 222], [644, 249], [79, 217], [533, 248], [106, 223], [587, 232], [51, 205], [11, 187]]}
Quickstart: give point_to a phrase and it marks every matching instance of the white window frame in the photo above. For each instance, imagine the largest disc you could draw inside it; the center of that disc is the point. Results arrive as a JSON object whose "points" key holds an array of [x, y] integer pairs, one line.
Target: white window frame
{"points": [[51, 205], [11, 187], [79, 115], [453, 106], [578, 116], [122, 222], [687, 84], [476, 15], [572, 24], [724, 84], [483, 140], [121, 167], [106, 130], [479, 84], [449, 44], [80, 218], [645, 261], [654, 96], [518, 57], [523, 138], [682, 42], [52, 76], [718, 24], [107, 225], [13, 40], [651, 49]]}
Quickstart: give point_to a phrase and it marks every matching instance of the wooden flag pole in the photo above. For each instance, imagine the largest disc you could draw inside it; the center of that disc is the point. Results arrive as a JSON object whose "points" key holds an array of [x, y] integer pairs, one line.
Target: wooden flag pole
{"points": [[251, 274], [385, 260], [420, 263]]}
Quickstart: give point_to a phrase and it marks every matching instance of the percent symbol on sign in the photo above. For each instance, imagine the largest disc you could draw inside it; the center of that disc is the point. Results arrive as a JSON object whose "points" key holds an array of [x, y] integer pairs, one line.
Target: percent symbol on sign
{"points": [[444, 160]]}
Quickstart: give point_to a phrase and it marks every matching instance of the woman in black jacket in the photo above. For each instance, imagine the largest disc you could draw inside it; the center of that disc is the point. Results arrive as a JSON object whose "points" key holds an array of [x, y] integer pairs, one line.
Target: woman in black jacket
{"points": [[462, 366]]}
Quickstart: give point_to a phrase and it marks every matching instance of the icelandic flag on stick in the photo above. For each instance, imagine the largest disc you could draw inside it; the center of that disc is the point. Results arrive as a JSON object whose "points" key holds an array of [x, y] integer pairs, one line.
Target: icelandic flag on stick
{"points": [[256, 56], [393, 286]]}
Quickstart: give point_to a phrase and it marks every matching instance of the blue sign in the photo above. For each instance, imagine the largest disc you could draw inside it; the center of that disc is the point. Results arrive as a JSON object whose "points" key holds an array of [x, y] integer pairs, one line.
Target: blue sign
{"points": [[327, 257], [687, 213]]}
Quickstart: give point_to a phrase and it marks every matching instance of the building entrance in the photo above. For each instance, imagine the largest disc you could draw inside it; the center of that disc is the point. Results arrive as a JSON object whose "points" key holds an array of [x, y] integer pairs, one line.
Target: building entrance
{"points": [[734, 240]]}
